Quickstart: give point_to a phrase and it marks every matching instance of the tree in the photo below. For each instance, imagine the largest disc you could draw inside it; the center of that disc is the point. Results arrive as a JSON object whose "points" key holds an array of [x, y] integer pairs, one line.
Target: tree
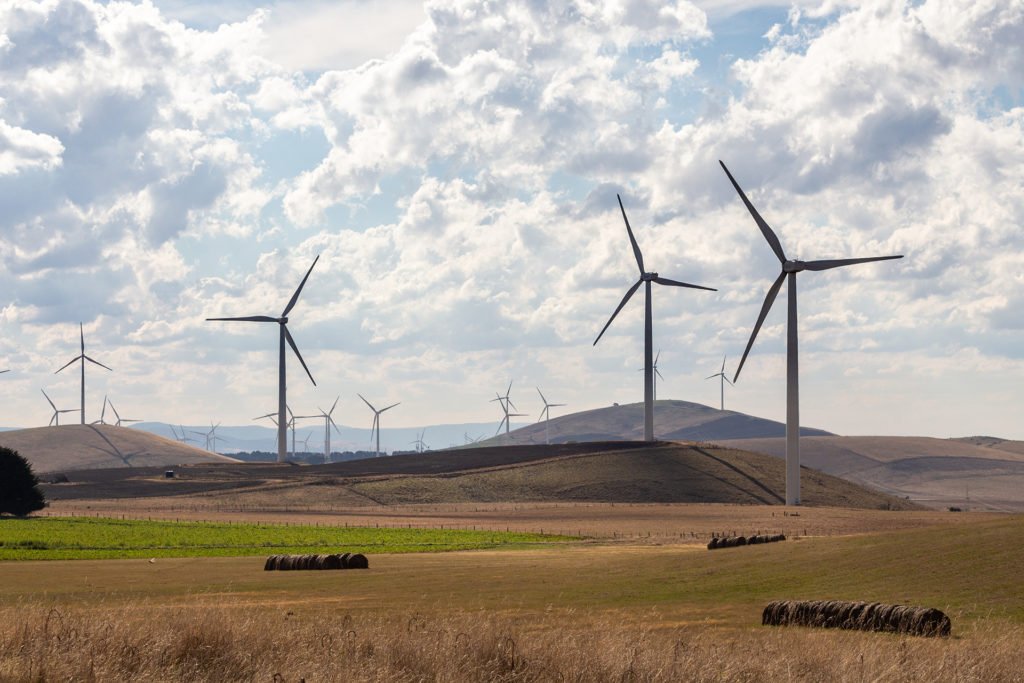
{"points": [[19, 487]]}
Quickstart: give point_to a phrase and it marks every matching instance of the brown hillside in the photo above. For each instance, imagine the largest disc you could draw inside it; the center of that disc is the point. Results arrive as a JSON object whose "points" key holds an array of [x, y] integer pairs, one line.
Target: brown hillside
{"points": [[975, 472], [633, 472], [673, 420], [79, 447]]}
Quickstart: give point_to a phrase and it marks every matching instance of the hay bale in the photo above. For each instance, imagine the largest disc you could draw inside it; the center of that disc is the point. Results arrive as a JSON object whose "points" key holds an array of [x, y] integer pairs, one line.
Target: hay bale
{"points": [[344, 560], [332, 562], [904, 619], [713, 543], [270, 564], [358, 561]]}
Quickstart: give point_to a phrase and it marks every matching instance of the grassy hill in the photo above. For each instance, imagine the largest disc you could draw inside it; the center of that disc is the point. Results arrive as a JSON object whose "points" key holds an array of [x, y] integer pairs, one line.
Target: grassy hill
{"points": [[630, 472], [79, 447], [673, 420], [974, 472]]}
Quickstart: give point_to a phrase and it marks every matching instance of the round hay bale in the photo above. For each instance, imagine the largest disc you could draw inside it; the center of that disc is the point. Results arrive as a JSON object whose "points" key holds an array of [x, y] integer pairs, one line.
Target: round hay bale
{"points": [[741, 540], [358, 561], [269, 564], [344, 560], [332, 562], [713, 543]]}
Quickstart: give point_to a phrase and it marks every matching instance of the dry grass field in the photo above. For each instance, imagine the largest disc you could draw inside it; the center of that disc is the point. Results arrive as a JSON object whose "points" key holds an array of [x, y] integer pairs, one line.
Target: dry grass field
{"points": [[588, 613]]}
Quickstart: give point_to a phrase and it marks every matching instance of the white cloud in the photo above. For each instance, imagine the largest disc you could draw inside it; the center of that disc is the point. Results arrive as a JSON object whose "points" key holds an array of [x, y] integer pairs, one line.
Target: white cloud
{"points": [[22, 149]]}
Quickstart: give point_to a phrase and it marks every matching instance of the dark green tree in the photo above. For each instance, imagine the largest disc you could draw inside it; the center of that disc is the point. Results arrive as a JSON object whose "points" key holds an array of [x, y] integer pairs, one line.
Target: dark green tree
{"points": [[19, 487]]}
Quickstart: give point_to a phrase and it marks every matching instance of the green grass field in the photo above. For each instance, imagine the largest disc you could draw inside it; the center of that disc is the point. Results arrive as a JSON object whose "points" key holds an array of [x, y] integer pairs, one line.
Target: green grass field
{"points": [[80, 538]]}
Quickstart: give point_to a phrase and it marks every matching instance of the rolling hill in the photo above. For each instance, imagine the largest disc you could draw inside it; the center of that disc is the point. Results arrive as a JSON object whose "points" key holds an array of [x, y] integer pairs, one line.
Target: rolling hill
{"points": [[972, 472], [79, 447], [673, 420], [629, 472]]}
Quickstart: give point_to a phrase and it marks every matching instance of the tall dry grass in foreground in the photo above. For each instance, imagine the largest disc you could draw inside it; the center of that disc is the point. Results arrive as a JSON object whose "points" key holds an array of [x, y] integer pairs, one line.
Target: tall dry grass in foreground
{"points": [[194, 643]]}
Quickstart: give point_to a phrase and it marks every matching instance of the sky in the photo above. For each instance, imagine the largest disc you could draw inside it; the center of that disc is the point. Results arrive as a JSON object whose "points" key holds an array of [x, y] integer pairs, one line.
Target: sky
{"points": [[455, 165]]}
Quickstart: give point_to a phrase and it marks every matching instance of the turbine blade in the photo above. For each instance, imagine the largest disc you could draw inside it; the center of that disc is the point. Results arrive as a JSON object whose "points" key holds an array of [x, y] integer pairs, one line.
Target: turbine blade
{"points": [[295, 296], [676, 283], [96, 362], [251, 319], [632, 239], [70, 362], [557, 405], [723, 364], [331, 411], [291, 343], [713, 376], [52, 419], [658, 373], [48, 400], [366, 402], [544, 400], [657, 357], [390, 406], [838, 263], [81, 337], [622, 303], [769, 299], [333, 424], [773, 240]]}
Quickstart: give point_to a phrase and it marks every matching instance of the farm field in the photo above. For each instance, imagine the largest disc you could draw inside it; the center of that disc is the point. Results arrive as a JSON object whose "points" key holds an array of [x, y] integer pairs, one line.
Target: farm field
{"points": [[582, 611], [75, 538]]}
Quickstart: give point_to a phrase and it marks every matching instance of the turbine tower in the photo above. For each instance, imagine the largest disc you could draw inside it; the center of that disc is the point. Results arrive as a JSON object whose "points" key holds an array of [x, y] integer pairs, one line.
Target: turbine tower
{"points": [[82, 357], [55, 419], [789, 270], [721, 373], [376, 422], [546, 414], [285, 336], [328, 423], [646, 279]]}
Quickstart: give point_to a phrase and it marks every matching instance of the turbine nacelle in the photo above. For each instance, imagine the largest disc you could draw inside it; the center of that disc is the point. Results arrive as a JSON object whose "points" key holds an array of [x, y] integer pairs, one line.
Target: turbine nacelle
{"points": [[793, 266], [648, 277]]}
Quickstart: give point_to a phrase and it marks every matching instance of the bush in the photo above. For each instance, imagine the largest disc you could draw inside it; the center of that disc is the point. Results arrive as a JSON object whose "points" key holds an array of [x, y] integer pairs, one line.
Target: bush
{"points": [[19, 487]]}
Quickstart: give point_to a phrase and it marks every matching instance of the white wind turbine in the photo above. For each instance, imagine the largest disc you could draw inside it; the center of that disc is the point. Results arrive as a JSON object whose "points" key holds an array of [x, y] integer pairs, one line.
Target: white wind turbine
{"points": [[420, 444], [724, 379], [546, 414], [118, 416], [506, 403], [789, 270], [328, 423], [103, 414], [376, 422], [55, 419], [646, 279], [285, 336], [657, 373], [82, 357]]}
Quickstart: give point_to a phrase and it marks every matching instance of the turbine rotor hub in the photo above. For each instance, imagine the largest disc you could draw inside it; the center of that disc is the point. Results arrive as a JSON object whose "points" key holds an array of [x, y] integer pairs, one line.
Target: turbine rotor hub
{"points": [[792, 266], [648, 277], [283, 320]]}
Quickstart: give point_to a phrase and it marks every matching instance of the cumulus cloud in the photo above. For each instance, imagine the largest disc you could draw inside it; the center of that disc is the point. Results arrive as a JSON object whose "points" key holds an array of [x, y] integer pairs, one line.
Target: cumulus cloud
{"points": [[464, 201]]}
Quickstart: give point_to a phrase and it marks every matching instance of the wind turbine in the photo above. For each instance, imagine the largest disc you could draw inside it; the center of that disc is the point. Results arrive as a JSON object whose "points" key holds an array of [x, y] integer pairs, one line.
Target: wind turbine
{"points": [[376, 422], [55, 420], [546, 414], [328, 423], [657, 373], [285, 336], [470, 439], [506, 402], [646, 279], [82, 357], [789, 270], [420, 444], [184, 438], [211, 436], [721, 373], [118, 416], [103, 414]]}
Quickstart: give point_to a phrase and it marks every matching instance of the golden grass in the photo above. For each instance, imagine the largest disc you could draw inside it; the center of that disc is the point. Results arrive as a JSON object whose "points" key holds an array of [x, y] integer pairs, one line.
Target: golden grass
{"points": [[153, 643]]}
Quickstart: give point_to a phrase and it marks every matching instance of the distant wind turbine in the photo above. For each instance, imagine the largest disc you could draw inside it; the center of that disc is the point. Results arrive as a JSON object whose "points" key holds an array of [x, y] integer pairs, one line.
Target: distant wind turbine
{"points": [[724, 379], [82, 357], [103, 414], [285, 336], [376, 422], [789, 271], [184, 438], [328, 423], [646, 279], [470, 439], [119, 418], [506, 403], [546, 414], [55, 419], [657, 373], [420, 444]]}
